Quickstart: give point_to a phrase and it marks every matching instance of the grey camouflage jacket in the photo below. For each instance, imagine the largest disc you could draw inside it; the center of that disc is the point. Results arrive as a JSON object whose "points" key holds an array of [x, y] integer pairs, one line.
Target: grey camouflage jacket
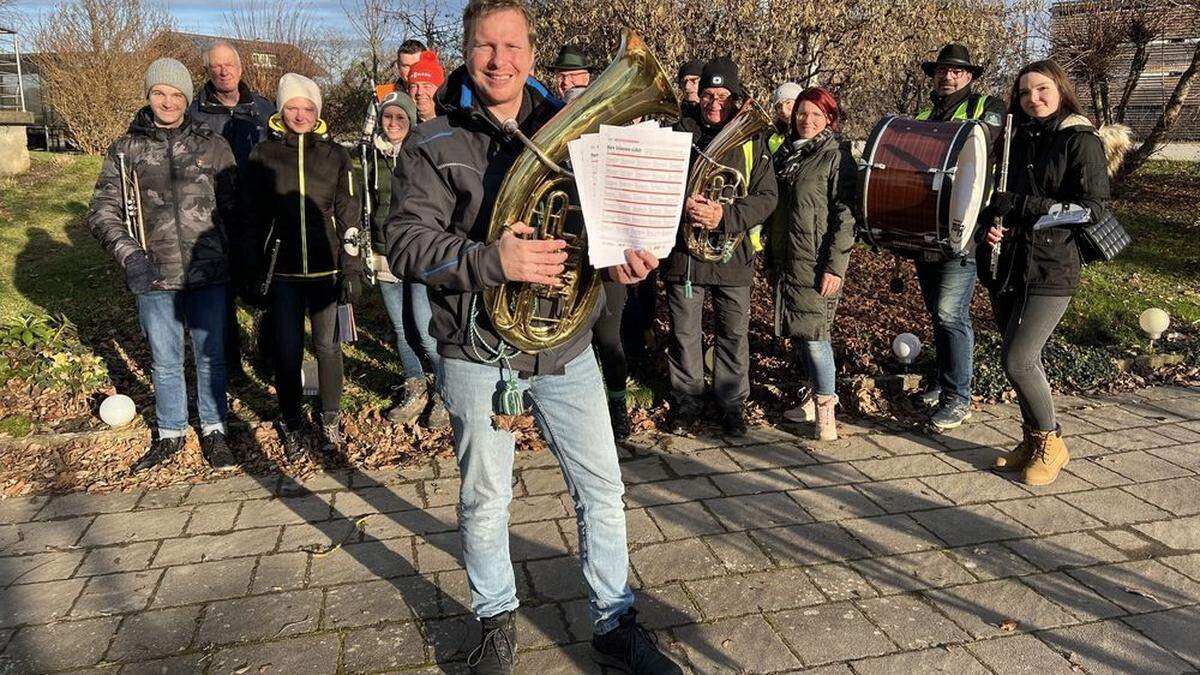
{"points": [[189, 198]]}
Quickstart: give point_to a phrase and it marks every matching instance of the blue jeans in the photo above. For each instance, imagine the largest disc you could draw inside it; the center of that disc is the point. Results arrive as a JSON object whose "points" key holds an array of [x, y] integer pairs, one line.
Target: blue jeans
{"points": [[947, 287], [572, 412], [818, 360], [164, 315], [411, 326]]}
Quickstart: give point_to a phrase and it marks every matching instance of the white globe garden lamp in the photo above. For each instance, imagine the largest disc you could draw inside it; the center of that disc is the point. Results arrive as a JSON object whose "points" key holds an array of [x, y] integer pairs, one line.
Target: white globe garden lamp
{"points": [[117, 410]]}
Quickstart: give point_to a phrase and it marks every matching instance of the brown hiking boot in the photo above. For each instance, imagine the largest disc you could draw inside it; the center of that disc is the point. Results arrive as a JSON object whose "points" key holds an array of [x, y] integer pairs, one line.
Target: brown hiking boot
{"points": [[1018, 457], [826, 426], [1048, 456]]}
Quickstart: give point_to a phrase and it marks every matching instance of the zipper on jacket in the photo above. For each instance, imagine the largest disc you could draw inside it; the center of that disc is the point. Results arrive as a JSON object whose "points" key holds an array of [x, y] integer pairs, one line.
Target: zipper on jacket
{"points": [[303, 217]]}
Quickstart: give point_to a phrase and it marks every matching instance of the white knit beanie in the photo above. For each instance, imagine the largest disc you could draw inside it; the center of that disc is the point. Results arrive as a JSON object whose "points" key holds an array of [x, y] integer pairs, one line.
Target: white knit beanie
{"points": [[170, 72], [788, 91], [292, 85]]}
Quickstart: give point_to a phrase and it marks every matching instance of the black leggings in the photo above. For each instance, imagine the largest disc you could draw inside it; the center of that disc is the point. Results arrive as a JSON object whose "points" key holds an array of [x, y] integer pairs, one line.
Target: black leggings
{"points": [[606, 338], [291, 299], [1026, 324]]}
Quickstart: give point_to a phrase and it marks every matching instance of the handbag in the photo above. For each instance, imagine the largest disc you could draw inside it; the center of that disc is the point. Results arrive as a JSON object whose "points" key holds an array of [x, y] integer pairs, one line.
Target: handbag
{"points": [[1102, 239]]}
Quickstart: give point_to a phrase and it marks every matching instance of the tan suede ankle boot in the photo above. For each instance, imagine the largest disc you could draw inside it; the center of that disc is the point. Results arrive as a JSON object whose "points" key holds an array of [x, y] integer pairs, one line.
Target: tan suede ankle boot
{"points": [[826, 426], [1018, 457], [1048, 457]]}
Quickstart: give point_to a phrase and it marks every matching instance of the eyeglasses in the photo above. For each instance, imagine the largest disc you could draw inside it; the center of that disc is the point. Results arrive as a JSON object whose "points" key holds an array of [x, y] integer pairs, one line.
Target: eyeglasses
{"points": [[943, 71], [810, 115], [715, 98]]}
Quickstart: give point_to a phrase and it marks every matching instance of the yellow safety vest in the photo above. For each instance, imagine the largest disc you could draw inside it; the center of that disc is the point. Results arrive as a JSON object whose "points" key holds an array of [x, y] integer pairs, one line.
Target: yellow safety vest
{"points": [[960, 113], [754, 233]]}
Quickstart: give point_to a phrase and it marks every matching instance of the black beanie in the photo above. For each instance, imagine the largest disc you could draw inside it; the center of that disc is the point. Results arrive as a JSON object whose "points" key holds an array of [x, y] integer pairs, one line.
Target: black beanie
{"points": [[721, 72], [693, 67]]}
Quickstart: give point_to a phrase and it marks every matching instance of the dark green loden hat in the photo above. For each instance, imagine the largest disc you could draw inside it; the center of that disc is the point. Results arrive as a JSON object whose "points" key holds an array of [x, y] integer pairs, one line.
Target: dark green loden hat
{"points": [[570, 57]]}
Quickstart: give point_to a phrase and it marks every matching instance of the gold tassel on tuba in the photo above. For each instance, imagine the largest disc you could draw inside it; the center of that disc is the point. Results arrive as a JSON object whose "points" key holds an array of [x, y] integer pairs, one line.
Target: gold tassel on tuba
{"points": [[537, 191]]}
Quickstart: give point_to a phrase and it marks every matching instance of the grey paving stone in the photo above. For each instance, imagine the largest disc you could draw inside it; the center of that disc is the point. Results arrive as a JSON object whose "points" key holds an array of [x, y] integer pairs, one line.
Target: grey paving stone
{"points": [[1114, 506], [324, 535], [1061, 551], [991, 561], [280, 572], [543, 481], [972, 524], [670, 492], [658, 564], [684, 521], [20, 509], [639, 529], [283, 511], [975, 436], [1130, 543], [85, 503], [1113, 418], [557, 578], [1184, 406], [149, 635], [530, 541], [163, 498], [1186, 456], [835, 502], [1174, 629], [1023, 654], [122, 528], [911, 622], [822, 475], [891, 534], [972, 459], [542, 626], [755, 457], [38, 603], [29, 569], [443, 551], [755, 482], [441, 492], [305, 654], [845, 449], [1140, 585], [1112, 647], [1048, 515], [946, 660], [539, 507], [975, 487], [1176, 495], [127, 558], [363, 562], [209, 547], [209, 518], [58, 646], [236, 488], [643, 470], [828, 633], [839, 582], [1188, 564], [383, 648], [375, 602], [735, 646], [807, 544], [1178, 432], [903, 495], [908, 443], [1141, 466], [703, 462], [751, 511], [261, 617], [981, 609], [39, 537], [451, 639], [1180, 533], [1095, 474], [738, 552], [910, 572], [116, 593], [1069, 594], [907, 466], [763, 592], [204, 581]]}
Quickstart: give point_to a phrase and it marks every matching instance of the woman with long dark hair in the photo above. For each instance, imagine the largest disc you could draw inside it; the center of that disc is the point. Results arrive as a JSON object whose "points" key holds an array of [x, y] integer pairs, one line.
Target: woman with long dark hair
{"points": [[810, 242], [1057, 157]]}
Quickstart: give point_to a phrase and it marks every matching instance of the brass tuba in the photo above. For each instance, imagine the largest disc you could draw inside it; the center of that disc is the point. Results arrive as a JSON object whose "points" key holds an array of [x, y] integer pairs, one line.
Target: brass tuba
{"points": [[537, 191], [721, 183]]}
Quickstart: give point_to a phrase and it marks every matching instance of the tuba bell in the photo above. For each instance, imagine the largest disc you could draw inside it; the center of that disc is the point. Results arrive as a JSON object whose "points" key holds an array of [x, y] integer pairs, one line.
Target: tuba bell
{"points": [[720, 183], [537, 191]]}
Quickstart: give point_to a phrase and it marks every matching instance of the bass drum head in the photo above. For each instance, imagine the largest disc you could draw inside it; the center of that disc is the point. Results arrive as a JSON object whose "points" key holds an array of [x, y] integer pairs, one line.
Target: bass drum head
{"points": [[968, 191]]}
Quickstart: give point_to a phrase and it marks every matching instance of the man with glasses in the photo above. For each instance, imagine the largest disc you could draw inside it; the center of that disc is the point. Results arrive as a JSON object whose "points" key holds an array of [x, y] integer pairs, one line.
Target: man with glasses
{"points": [[947, 284], [688, 279]]}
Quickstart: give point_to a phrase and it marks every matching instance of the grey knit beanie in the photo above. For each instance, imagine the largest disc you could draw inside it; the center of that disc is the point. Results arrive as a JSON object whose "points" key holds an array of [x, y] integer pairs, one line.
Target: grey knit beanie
{"points": [[170, 72], [401, 100]]}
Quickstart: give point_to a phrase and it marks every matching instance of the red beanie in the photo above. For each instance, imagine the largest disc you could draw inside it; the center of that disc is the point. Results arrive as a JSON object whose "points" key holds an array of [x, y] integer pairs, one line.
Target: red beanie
{"points": [[427, 69]]}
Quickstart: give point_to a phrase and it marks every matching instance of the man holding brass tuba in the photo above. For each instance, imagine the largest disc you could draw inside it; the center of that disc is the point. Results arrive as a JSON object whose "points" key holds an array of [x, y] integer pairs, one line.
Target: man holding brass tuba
{"points": [[443, 195], [164, 207], [737, 191]]}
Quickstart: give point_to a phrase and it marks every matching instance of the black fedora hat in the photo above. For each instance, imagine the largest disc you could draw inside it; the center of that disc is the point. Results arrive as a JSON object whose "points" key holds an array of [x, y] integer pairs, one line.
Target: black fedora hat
{"points": [[570, 57], [953, 56]]}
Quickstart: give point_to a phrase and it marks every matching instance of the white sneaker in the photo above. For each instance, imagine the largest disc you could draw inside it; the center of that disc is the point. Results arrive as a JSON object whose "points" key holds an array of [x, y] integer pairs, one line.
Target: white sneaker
{"points": [[805, 412]]}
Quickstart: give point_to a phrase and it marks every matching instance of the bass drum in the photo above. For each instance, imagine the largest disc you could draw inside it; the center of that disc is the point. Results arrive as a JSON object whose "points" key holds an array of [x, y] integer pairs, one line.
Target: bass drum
{"points": [[923, 186]]}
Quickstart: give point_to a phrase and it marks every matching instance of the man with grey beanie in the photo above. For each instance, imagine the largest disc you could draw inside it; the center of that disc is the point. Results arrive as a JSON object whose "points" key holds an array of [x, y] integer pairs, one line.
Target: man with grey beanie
{"points": [[162, 207]]}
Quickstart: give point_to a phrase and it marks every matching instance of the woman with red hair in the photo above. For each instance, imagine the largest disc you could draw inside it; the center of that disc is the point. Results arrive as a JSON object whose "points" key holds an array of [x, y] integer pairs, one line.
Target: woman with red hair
{"points": [[810, 243]]}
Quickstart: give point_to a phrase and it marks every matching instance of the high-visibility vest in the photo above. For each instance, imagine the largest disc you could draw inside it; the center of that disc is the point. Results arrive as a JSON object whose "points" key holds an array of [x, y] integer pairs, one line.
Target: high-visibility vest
{"points": [[960, 113], [775, 142], [754, 233]]}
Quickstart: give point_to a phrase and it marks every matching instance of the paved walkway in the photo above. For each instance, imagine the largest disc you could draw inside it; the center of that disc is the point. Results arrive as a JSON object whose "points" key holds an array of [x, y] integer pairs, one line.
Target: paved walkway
{"points": [[881, 552]]}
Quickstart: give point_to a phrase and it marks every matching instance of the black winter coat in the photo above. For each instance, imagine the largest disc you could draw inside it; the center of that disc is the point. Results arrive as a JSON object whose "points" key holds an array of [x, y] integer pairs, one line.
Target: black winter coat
{"points": [[813, 234], [754, 209], [1052, 162], [243, 125], [189, 199], [302, 194]]}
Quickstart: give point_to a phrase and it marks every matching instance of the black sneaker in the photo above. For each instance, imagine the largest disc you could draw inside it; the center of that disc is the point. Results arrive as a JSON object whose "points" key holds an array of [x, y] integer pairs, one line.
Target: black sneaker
{"points": [[618, 413], [331, 432], [216, 451], [293, 443], [734, 423], [497, 650], [160, 451], [685, 416], [630, 648]]}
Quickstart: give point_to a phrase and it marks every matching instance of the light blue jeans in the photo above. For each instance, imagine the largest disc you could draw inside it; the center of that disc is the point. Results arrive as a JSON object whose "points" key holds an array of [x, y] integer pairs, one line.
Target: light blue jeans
{"points": [[164, 315], [818, 360], [947, 287], [572, 412], [408, 308]]}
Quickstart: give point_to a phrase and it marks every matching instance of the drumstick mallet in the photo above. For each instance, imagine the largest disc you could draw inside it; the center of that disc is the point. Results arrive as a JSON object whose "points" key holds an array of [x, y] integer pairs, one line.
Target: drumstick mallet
{"points": [[1001, 185]]}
